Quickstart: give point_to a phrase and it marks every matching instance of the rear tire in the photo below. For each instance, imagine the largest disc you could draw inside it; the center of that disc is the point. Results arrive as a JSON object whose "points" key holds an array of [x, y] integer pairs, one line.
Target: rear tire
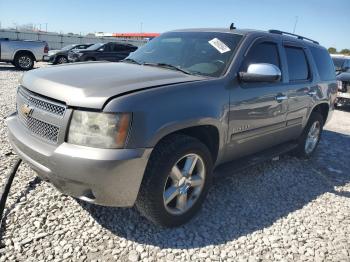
{"points": [[309, 139], [24, 61], [169, 195]]}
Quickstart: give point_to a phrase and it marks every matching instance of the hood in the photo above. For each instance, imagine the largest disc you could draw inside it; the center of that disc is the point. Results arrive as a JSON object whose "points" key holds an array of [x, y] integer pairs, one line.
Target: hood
{"points": [[91, 84]]}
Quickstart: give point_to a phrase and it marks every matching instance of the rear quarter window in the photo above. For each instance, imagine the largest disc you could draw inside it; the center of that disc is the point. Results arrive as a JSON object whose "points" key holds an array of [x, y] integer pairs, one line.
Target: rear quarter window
{"points": [[324, 64]]}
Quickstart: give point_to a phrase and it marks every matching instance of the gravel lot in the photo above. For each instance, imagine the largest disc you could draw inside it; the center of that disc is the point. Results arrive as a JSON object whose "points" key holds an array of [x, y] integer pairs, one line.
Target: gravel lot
{"points": [[286, 210]]}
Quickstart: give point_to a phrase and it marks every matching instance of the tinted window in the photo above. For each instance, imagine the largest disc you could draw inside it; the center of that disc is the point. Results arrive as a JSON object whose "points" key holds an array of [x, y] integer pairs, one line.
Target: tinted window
{"points": [[265, 52], [324, 63], [297, 64]]}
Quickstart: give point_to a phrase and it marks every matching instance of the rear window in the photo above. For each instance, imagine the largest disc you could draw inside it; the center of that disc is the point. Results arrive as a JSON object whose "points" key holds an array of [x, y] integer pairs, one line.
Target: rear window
{"points": [[298, 68], [324, 64]]}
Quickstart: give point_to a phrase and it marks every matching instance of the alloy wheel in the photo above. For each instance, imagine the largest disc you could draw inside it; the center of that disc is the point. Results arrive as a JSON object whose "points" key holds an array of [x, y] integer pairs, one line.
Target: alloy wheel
{"points": [[313, 137], [184, 184]]}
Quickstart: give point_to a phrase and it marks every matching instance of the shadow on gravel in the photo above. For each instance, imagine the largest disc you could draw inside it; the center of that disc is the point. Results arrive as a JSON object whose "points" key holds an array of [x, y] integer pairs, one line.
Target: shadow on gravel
{"points": [[31, 186], [245, 202]]}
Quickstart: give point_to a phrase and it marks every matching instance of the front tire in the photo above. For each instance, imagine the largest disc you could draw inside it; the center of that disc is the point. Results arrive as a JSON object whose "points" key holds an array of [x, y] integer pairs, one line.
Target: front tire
{"points": [[309, 139], [61, 60], [176, 181]]}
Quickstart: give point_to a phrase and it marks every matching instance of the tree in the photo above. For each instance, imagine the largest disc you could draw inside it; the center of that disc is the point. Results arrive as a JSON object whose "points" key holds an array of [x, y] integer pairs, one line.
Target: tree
{"points": [[332, 50], [345, 51]]}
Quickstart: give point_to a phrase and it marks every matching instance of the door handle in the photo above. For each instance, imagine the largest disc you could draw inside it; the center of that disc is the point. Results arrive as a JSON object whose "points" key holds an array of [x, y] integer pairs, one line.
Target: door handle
{"points": [[312, 93], [280, 98]]}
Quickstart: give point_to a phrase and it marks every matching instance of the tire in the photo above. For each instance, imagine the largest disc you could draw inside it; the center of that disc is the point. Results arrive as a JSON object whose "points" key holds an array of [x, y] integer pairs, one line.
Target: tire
{"points": [[151, 201], [305, 148], [61, 60], [24, 61]]}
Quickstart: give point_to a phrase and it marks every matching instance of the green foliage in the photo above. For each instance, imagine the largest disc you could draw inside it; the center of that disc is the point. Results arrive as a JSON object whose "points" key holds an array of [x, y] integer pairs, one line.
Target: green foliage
{"points": [[345, 51], [332, 50]]}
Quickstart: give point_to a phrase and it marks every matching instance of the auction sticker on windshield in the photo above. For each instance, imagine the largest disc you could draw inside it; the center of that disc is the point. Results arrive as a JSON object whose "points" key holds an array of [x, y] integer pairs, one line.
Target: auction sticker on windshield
{"points": [[219, 45]]}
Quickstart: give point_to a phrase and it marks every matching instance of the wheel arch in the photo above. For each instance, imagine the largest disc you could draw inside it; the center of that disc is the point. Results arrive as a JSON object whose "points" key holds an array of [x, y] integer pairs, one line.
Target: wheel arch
{"points": [[208, 134], [323, 109], [23, 51]]}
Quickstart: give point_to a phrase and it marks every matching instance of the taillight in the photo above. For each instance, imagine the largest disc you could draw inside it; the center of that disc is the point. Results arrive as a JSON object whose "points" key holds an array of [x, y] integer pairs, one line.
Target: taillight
{"points": [[46, 48]]}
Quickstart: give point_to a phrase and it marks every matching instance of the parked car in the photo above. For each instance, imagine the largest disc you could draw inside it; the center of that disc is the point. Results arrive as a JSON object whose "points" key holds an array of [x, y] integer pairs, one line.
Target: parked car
{"points": [[108, 52], [61, 56], [150, 129], [342, 67], [22, 53]]}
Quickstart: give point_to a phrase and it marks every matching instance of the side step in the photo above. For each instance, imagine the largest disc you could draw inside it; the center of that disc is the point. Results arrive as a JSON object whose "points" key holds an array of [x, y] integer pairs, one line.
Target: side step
{"points": [[252, 160]]}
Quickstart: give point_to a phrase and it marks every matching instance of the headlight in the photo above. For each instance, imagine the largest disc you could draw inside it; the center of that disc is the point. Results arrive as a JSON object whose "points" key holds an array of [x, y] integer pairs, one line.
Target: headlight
{"points": [[102, 130]]}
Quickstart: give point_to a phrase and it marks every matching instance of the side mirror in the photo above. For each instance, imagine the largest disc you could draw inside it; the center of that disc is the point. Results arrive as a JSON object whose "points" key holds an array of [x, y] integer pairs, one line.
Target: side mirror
{"points": [[261, 73]]}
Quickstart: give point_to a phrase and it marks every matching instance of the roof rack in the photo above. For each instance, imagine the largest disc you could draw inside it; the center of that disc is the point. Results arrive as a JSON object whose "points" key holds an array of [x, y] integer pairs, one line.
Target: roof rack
{"points": [[273, 31]]}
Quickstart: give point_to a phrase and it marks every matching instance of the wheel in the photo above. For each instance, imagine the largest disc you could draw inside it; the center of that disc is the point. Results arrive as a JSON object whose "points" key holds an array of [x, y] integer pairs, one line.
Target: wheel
{"points": [[61, 60], [24, 61], [176, 181], [309, 139]]}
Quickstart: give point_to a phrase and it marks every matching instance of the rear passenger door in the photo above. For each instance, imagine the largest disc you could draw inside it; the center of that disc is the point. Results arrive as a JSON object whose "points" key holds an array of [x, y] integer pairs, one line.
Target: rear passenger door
{"points": [[257, 117], [300, 89]]}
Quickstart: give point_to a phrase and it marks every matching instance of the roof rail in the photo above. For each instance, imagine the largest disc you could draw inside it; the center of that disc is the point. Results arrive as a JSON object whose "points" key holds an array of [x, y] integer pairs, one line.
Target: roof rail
{"points": [[273, 31]]}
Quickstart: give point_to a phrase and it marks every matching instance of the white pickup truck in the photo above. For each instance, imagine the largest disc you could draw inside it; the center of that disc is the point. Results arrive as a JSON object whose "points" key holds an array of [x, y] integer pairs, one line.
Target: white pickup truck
{"points": [[22, 53]]}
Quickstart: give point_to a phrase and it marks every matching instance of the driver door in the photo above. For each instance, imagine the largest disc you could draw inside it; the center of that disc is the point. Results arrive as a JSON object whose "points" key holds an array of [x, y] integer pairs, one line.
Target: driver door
{"points": [[258, 110]]}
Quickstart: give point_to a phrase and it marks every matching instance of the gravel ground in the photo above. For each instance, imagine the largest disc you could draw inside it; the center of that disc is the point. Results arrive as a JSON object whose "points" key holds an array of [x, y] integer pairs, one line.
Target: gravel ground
{"points": [[286, 210]]}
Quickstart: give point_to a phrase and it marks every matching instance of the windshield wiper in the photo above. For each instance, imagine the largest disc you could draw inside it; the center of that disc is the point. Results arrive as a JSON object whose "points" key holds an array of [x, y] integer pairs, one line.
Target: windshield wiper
{"points": [[130, 60], [169, 66]]}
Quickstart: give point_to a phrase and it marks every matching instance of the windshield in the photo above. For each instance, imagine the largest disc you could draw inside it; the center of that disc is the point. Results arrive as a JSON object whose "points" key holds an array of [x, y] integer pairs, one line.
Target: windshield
{"points": [[95, 46], [203, 53], [68, 47], [338, 63]]}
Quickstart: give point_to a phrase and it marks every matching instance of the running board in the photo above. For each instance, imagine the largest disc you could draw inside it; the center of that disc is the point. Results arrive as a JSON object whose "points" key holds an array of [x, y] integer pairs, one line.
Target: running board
{"points": [[252, 160]]}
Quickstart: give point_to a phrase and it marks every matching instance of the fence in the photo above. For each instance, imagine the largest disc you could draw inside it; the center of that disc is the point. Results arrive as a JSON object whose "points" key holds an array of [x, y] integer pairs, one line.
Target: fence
{"points": [[57, 41]]}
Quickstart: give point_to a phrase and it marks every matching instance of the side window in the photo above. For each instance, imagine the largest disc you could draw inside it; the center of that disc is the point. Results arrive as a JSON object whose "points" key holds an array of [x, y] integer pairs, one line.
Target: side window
{"points": [[264, 52], [298, 68], [324, 64], [107, 48], [120, 48]]}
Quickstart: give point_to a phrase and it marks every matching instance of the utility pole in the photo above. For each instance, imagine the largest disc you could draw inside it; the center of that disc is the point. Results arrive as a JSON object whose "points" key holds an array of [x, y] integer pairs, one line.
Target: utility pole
{"points": [[46, 27], [141, 27], [295, 24]]}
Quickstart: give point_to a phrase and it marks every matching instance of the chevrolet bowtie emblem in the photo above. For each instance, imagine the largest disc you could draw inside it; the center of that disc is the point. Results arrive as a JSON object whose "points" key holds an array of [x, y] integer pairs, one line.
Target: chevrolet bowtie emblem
{"points": [[26, 110]]}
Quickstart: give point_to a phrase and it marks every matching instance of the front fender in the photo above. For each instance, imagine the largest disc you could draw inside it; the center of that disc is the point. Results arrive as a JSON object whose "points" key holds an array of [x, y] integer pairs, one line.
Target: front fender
{"points": [[160, 111]]}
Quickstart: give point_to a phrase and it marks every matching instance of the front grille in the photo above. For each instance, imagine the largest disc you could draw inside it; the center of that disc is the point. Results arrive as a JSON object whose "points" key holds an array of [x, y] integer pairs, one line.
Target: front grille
{"points": [[40, 128], [33, 114], [32, 99]]}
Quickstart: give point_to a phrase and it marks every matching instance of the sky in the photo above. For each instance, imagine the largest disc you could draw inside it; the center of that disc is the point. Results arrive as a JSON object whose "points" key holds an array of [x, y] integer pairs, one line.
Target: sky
{"points": [[327, 21]]}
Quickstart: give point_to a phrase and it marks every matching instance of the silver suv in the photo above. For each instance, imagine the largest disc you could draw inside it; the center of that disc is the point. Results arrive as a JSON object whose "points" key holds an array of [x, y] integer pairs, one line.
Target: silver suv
{"points": [[149, 130]]}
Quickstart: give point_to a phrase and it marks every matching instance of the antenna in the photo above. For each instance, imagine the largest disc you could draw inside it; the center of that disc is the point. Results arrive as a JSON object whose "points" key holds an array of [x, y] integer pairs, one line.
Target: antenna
{"points": [[232, 26]]}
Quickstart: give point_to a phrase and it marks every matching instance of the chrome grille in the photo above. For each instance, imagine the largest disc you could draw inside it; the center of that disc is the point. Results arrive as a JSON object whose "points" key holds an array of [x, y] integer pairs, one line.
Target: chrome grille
{"points": [[40, 128], [45, 105], [33, 114]]}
